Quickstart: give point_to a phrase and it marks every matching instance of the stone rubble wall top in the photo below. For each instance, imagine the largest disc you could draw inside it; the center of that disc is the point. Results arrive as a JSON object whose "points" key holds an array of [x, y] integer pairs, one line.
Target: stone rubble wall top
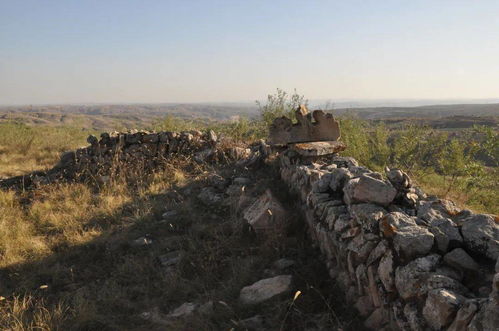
{"points": [[406, 260]]}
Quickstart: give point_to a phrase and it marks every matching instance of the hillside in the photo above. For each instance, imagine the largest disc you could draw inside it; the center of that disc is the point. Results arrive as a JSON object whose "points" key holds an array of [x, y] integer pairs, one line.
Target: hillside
{"points": [[128, 116], [189, 231]]}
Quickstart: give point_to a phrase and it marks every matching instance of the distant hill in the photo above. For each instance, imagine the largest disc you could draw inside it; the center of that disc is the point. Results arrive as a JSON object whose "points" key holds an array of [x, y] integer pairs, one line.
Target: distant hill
{"points": [[433, 111], [104, 117]]}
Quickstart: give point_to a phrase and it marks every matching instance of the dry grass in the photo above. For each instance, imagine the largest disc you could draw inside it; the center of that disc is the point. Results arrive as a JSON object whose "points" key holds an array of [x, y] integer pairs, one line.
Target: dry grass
{"points": [[67, 258], [68, 262], [25, 149]]}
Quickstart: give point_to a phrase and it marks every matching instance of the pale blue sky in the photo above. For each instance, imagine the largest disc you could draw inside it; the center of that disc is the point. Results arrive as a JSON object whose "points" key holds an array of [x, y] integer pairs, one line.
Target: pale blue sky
{"points": [[76, 51]]}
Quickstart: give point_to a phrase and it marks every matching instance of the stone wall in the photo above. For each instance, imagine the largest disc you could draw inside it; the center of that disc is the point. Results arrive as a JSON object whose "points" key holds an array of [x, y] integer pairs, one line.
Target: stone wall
{"points": [[142, 148], [405, 260], [135, 151], [132, 151]]}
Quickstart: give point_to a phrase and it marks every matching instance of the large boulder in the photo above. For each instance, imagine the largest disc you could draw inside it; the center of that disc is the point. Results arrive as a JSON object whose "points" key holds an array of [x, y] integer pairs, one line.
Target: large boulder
{"points": [[265, 289], [368, 189], [481, 235]]}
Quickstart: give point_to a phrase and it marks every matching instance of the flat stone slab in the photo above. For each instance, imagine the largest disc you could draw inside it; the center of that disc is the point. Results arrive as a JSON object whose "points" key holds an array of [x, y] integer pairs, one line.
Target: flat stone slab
{"points": [[265, 289], [315, 126], [318, 148]]}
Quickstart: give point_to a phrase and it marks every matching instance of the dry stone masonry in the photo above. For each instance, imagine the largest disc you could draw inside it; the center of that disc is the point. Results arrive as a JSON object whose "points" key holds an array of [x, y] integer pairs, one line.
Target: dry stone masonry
{"points": [[138, 150], [406, 261]]}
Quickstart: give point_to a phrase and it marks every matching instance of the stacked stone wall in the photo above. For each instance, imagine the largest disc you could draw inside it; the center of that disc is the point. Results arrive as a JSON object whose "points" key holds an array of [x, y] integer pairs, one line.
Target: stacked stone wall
{"points": [[121, 152], [406, 260], [142, 147]]}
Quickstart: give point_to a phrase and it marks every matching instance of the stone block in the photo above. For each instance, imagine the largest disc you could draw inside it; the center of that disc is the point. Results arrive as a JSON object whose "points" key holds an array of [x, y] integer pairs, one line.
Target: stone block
{"points": [[265, 214]]}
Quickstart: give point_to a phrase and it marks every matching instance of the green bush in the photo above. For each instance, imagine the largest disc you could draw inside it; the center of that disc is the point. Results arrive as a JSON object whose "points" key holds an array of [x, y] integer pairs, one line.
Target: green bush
{"points": [[280, 104]]}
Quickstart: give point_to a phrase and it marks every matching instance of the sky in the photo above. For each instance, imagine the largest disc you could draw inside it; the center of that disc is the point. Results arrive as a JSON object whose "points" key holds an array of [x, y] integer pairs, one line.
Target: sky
{"points": [[123, 51]]}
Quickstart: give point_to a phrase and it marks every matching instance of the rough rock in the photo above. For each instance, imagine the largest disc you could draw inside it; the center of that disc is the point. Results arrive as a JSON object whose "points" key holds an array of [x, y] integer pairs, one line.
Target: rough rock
{"points": [[317, 148], [171, 258], [238, 153], [433, 210], [446, 234], [155, 316], [282, 264], [342, 223], [338, 178], [265, 214], [436, 281], [265, 289], [212, 136], [368, 189], [218, 182], [364, 305], [410, 240], [323, 128], [464, 316], [209, 197], [359, 171], [368, 215], [398, 178], [377, 253], [169, 213], [142, 241], [386, 272], [412, 315], [377, 319], [409, 279], [459, 259], [441, 307], [184, 310], [450, 272], [322, 185], [481, 234], [486, 318], [204, 155], [344, 161]]}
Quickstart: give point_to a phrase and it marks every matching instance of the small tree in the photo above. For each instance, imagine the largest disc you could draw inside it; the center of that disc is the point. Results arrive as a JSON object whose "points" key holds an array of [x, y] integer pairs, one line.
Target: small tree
{"points": [[454, 163], [280, 104]]}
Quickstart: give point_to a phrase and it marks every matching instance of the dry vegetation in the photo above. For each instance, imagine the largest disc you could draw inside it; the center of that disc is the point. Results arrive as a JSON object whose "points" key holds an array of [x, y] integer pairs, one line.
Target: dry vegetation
{"points": [[68, 258], [24, 149]]}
